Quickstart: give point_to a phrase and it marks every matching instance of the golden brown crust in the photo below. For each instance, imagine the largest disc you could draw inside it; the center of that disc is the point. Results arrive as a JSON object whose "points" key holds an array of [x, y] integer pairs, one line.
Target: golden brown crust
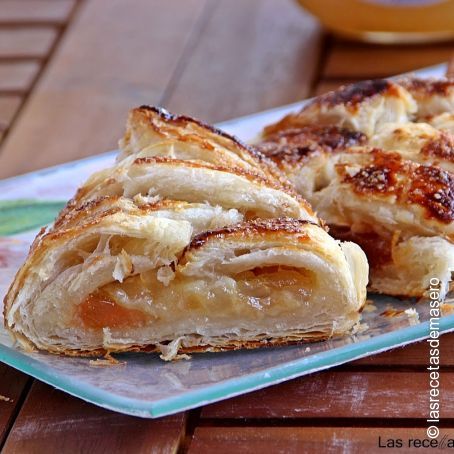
{"points": [[388, 174], [251, 229], [281, 184], [403, 186], [297, 145], [72, 231], [427, 87], [250, 175], [73, 206], [166, 124], [107, 205], [349, 96], [354, 94], [257, 167], [87, 209], [433, 188], [183, 120], [441, 147], [88, 215]]}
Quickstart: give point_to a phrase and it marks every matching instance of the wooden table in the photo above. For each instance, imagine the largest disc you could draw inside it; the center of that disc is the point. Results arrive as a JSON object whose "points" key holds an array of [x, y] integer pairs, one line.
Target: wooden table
{"points": [[69, 72]]}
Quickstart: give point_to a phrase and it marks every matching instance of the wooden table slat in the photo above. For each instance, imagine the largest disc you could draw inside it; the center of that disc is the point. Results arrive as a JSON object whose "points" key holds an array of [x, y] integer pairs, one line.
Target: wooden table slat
{"points": [[53, 422], [90, 85], [412, 355], [12, 385], [341, 394], [262, 59], [17, 76], [26, 42], [270, 440], [14, 11], [8, 107]]}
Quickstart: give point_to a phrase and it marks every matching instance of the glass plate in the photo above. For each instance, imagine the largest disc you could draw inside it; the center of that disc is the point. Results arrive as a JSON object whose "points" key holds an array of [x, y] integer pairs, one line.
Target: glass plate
{"points": [[142, 384]]}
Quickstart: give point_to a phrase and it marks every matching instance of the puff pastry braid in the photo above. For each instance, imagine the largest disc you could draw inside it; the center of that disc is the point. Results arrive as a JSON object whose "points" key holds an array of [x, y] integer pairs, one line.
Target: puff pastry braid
{"points": [[192, 241], [376, 161]]}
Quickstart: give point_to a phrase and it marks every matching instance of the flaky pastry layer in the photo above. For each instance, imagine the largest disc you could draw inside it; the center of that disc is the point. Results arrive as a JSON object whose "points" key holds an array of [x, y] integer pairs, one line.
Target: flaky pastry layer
{"points": [[192, 241], [375, 160]]}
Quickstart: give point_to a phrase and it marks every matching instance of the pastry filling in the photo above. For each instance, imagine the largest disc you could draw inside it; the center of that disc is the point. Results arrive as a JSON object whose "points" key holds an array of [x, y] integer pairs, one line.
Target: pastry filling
{"points": [[100, 310], [260, 294]]}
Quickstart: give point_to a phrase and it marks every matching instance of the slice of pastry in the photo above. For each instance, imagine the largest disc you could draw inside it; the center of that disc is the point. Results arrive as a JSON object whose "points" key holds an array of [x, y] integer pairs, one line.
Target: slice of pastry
{"points": [[433, 96], [444, 121], [390, 190], [419, 142], [390, 207], [191, 242], [435, 100], [179, 158], [363, 107], [151, 132]]}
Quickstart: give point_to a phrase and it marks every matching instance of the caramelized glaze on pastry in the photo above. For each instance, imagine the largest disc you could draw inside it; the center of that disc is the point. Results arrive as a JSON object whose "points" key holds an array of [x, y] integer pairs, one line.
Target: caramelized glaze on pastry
{"points": [[388, 186], [363, 107]]}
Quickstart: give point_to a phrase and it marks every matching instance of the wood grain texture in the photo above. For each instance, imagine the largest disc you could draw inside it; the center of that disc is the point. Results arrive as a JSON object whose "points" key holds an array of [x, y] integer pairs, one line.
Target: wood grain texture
{"points": [[53, 422], [250, 58], [359, 61], [26, 42], [8, 107], [17, 76], [104, 66], [412, 355], [341, 394], [302, 440], [20, 11], [12, 385]]}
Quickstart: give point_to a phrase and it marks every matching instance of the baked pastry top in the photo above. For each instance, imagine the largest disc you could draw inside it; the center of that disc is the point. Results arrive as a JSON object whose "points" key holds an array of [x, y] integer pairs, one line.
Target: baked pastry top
{"points": [[363, 107], [375, 160], [192, 241]]}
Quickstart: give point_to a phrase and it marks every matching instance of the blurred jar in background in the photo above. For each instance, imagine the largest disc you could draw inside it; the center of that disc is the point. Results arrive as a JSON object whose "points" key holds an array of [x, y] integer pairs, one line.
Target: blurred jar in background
{"points": [[386, 21]]}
